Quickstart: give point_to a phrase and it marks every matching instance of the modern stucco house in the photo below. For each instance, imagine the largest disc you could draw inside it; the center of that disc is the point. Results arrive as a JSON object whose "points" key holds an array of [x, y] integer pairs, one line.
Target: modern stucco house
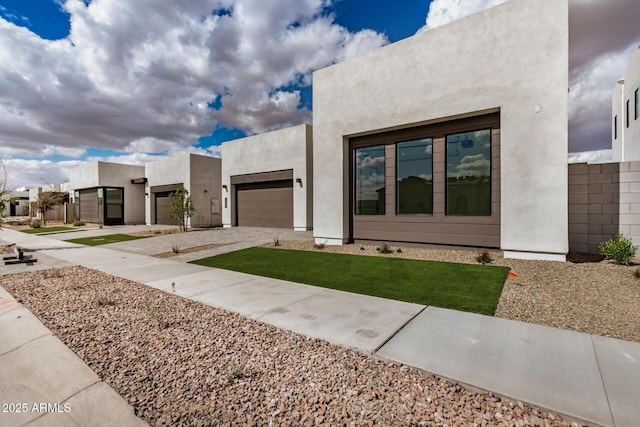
{"points": [[108, 193], [200, 175], [604, 198], [625, 113], [17, 203], [457, 135], [267, 180]]}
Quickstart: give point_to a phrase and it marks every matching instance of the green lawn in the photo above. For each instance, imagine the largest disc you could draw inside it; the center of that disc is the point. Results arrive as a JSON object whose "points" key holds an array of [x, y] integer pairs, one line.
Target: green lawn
{"points": [[47, 230], [103, 240], [465, 287]]}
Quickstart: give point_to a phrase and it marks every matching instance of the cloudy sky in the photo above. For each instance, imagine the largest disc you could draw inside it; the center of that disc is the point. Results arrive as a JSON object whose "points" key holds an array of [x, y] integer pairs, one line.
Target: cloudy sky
{"points": [[131, 80]]}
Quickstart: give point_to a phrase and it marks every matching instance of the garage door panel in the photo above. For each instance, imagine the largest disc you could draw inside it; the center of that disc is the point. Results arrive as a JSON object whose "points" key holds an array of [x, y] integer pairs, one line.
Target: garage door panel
{"points": [[162, 210], [267, 204], [89, 206]]}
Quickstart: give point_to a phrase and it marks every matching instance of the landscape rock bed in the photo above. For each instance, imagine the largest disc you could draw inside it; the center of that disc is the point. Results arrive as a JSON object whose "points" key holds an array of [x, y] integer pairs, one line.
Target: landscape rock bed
{"points": [[596, 297], [179, 362]]}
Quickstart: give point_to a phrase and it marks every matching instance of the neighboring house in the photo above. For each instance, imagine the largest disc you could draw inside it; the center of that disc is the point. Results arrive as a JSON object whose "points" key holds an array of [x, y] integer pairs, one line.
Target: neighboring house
{"points": [[200, 175], [20, 205], [55, 213], [625, 116], [476, 112], [267, 180], [604, 199], [108, 193]]}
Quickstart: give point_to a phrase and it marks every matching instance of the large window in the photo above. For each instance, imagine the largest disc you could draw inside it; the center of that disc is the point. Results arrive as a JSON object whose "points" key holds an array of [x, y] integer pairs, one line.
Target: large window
{"points": [[468, 187], [414, 172], [369, 180]]}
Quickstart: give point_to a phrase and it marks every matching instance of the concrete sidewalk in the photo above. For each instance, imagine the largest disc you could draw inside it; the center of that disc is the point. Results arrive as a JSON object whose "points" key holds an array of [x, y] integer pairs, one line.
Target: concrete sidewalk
{"points": [[43, 383], [581, 376]]}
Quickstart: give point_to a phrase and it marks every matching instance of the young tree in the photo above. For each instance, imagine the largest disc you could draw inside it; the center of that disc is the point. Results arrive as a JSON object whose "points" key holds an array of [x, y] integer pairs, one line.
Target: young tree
{"points": [[181, 207], [46, 201]]}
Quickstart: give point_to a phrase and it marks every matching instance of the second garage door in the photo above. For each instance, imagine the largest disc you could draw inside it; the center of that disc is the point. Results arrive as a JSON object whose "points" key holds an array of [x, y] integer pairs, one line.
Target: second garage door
{"points": [[163, 201], [265, 204]]}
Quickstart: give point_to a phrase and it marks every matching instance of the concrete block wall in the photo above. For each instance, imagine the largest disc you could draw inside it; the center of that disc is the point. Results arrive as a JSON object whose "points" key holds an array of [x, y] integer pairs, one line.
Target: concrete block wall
{"points": [[603, 199]]}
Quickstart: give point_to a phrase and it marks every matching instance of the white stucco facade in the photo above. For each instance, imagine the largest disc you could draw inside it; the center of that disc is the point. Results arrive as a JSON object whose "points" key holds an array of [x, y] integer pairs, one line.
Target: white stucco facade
{"points": [[512, 58], [285, 149], [625, 117], [105, 174], [200, 175]]}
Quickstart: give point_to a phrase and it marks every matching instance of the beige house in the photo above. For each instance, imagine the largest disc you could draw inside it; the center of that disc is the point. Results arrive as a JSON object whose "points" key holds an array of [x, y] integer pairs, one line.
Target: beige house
{"points": [[108, 193], [200, 175], [267, 180]]}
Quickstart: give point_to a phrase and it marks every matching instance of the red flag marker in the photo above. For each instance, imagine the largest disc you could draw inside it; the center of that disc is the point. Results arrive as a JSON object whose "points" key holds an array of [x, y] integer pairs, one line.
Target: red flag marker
{"points": [[512, 274]]}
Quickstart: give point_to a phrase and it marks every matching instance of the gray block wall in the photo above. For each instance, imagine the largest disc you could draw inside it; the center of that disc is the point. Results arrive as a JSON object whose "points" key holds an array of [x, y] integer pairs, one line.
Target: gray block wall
{"points": [[603, 199]]}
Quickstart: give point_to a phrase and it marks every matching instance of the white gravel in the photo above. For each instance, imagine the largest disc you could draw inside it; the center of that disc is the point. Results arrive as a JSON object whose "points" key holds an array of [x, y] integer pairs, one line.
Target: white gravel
{"points": [[179, 362]]}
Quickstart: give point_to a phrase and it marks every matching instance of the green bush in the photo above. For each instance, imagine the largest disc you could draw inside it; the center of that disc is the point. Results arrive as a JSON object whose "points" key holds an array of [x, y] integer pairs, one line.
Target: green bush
{"points": [[36, 223], [620, 249], [78, 223]]}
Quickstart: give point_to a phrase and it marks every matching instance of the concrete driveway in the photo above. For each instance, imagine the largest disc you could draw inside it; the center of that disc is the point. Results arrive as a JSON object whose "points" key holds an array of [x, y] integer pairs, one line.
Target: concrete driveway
{"points": [[230, 239]]}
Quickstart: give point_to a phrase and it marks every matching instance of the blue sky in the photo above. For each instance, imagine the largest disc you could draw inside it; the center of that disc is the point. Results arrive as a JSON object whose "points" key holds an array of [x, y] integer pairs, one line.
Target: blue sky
{"points": [[133, 80]]}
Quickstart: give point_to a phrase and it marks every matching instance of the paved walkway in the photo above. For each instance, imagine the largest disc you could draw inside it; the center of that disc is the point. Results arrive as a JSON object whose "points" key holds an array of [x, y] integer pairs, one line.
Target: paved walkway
{"points": [[581, 376]]}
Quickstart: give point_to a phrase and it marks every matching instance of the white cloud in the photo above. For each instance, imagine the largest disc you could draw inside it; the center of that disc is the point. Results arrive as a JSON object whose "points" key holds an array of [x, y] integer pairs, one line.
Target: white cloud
{"points": [[442, 12], [139, 75], [596, 156]]}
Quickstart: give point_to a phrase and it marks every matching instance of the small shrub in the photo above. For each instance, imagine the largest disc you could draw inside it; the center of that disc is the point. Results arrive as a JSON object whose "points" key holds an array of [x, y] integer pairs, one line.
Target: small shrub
{"points": [[36, 223], [484, 257], [319, 246], [237, 371], [54, 273], [276, 242], [175, 248], [157, 311], [100, 300], [620, 249], [636, 273], [78, 223], [385, 249]]}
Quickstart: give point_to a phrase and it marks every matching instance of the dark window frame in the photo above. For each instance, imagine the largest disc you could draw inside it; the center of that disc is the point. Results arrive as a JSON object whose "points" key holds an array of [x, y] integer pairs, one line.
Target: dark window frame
{"points": [[446, 174], [615, 127], [355, 180], [627, 114], [637, 104]]}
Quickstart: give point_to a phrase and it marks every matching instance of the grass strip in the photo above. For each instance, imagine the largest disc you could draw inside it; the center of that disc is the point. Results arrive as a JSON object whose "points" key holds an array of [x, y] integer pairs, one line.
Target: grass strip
{"points": [[465, 287], [47, 230], [103, 240]]}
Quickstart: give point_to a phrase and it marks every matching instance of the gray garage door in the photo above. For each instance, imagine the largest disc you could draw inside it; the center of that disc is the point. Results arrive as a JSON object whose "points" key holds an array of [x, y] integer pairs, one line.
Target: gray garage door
{"points": [[89, 211], [162, 209], [265, 204]]}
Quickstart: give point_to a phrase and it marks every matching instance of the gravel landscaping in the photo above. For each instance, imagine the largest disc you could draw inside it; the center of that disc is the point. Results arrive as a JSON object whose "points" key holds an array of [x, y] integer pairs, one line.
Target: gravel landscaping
{"points": [[594, 297], [179, 362]]}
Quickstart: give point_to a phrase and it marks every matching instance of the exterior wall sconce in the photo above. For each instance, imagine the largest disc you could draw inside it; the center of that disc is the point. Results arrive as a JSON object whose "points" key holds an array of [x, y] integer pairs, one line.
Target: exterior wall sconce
{"points": [[299, 181], [225, 187], [206, 191]]}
